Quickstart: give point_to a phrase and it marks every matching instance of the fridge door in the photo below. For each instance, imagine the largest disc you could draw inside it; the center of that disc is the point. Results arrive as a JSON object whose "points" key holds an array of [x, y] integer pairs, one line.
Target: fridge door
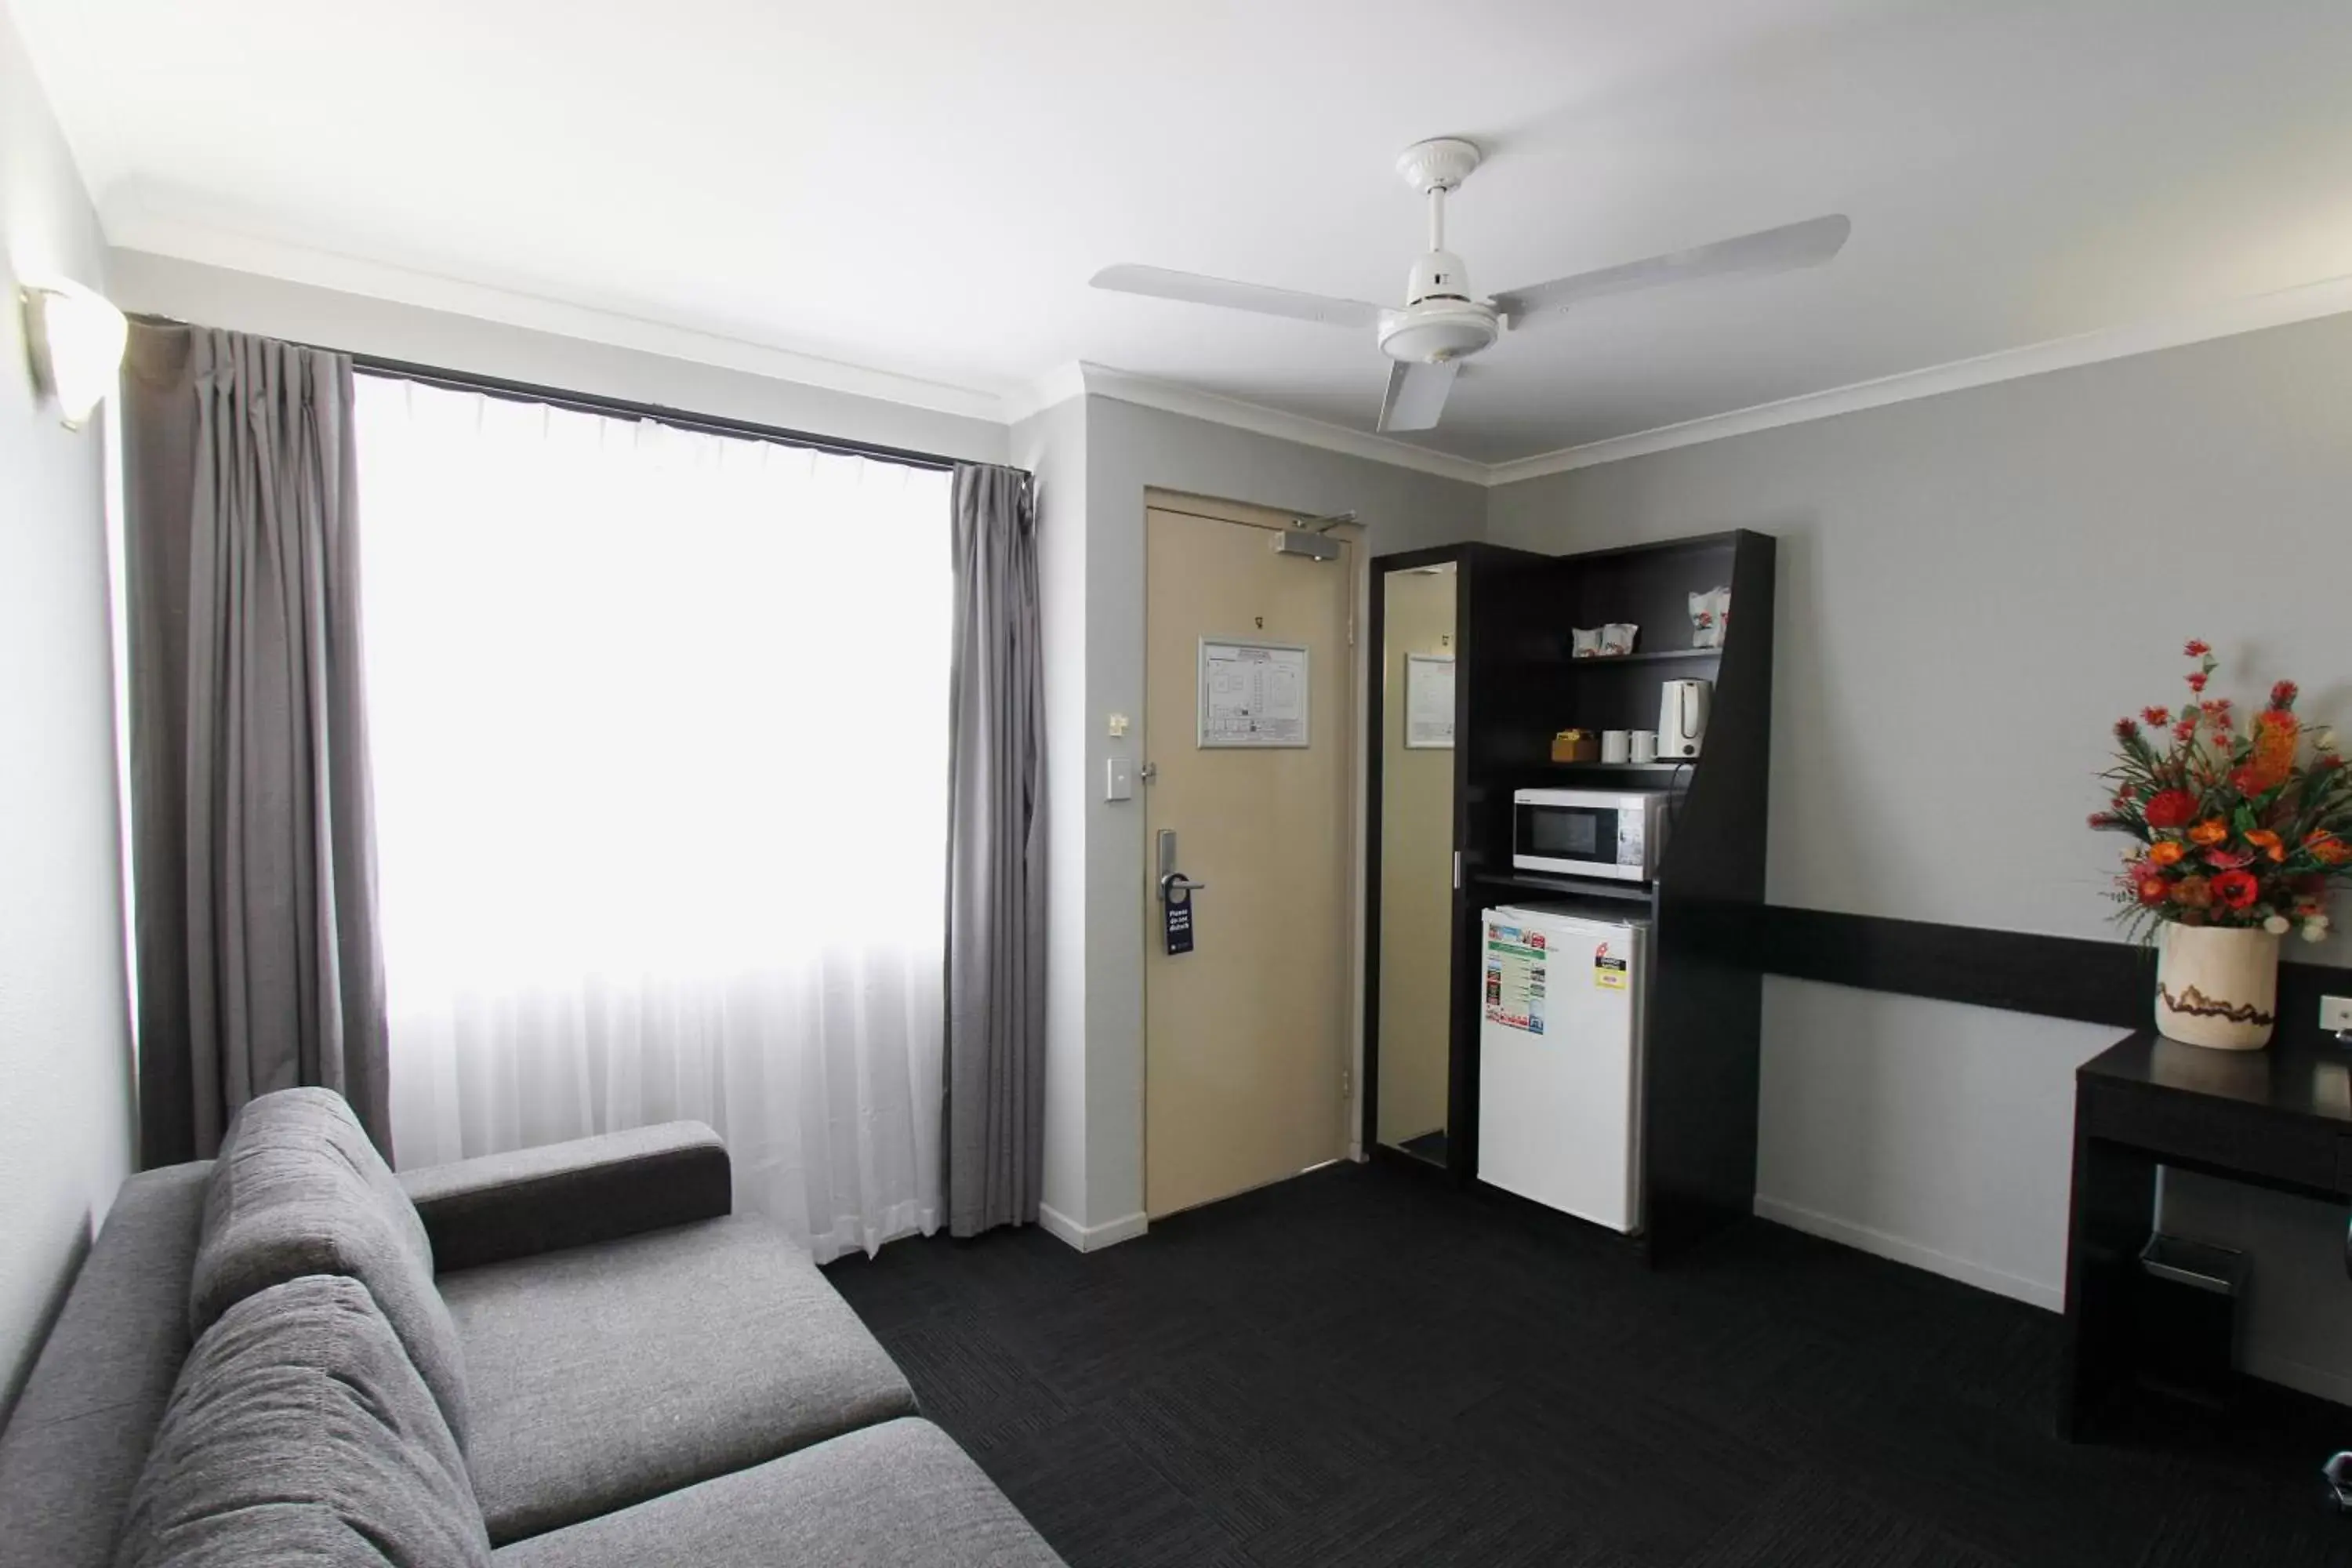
{"points": [[1559, 1068]]}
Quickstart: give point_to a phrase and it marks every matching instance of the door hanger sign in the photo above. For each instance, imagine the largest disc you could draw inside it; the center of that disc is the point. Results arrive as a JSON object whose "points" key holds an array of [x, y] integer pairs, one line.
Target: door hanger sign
{"points": [[1176, 920]]}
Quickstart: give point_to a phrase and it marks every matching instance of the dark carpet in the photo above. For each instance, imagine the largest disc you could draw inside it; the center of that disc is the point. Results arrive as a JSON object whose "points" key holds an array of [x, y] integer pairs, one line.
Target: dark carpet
{"points": [[1365, 1366]]}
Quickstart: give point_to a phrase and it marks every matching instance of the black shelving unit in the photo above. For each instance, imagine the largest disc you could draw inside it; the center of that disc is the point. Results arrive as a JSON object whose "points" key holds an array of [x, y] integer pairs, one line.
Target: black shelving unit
{"points": [[1520, 684]]}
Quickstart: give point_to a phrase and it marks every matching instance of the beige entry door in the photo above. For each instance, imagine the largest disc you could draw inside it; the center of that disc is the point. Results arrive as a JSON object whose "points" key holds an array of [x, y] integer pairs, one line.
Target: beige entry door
{"points": [[1245, 1043]]}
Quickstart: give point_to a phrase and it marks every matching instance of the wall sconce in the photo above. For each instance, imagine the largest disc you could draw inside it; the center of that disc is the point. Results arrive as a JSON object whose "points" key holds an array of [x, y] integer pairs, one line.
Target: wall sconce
{"points": [[75, 339]]}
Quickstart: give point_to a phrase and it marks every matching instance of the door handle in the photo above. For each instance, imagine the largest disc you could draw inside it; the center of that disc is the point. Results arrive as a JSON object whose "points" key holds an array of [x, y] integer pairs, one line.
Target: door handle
{"points": [[1176, 882]]}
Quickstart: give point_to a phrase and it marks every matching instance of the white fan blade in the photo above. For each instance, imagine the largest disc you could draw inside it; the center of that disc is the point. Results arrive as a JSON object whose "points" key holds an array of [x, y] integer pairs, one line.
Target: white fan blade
{"points": [[1782, 249], [1417, 394], [1195, 289]]}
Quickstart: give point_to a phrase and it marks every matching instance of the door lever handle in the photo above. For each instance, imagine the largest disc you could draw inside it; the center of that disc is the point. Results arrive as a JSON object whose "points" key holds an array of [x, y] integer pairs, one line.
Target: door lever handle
{"points": [[1176, 881]]}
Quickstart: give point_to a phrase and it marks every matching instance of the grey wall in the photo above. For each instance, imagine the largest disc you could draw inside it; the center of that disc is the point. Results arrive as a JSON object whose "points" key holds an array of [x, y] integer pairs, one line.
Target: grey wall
{"points": [[1129, 449], [1053, 446], [245, 301], [65, 1043], [1972, 588]]}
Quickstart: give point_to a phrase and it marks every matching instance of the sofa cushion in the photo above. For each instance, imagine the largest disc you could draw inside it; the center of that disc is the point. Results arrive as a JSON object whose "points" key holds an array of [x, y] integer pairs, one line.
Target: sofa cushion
{"points": [[604, 1376], [298, 1189], [73, 1448], [301, 1432], [900, 1495]]}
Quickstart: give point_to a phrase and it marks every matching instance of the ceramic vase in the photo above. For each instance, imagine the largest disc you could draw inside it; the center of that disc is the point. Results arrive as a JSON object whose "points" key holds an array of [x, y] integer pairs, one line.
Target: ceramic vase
{"points": [[2217, 986]]}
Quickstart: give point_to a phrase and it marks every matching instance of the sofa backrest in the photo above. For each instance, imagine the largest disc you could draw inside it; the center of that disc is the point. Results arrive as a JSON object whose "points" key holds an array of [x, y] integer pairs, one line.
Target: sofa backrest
{"points": [[74, 1448]]}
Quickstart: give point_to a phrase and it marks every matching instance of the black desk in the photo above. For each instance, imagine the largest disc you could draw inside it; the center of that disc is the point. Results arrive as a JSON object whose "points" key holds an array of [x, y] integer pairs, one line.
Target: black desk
{"points": [[2279, 1118]]}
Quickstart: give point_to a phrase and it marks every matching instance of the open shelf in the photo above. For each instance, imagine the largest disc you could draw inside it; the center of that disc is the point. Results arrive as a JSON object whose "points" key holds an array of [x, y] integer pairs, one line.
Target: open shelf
{"points": [[1581, 887], [1594, 661], [1548, 767]]}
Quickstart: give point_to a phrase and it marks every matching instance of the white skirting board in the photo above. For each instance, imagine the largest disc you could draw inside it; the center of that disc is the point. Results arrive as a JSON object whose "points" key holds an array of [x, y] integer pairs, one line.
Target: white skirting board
{"points": [[1091, 1239], [1862, 1239]]}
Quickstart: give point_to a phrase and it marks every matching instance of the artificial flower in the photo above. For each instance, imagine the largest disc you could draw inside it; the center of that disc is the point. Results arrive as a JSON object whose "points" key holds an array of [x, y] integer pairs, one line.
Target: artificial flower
{"points": [[2277, 925], [2126, 730], [2185, 731], [2283, 694], [2236, 889], [2327, 849], [2197, 648], [2246, 781], [2210, 832], [2170, 808], [2158, 717], [2269, 843], [2153, 890], [2197, 680], [2312, 932], [2193, 892], [2167, 851], [2228, 860]]}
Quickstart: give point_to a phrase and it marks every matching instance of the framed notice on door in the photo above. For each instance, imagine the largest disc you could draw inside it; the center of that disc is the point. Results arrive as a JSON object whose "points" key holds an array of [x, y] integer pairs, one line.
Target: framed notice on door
{"points": [[1428, 702], [1252, 693]]}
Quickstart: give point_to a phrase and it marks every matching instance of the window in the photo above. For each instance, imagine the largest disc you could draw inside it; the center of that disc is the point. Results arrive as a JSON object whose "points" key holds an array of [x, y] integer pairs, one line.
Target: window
{"points": [[659, 737]]}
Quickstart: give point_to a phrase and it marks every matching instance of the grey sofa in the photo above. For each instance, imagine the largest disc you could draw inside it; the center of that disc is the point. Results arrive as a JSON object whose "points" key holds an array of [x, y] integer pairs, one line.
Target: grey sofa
{"points": [[571, 1357]]}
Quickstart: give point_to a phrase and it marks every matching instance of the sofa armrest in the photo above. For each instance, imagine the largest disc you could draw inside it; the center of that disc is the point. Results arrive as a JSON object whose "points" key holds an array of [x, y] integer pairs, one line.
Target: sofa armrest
{"points": [[571, 1195]]}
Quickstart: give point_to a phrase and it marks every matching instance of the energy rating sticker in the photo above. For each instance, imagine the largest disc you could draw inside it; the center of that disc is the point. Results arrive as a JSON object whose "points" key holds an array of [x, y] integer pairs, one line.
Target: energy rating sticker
{"points": [[1609, 972]]}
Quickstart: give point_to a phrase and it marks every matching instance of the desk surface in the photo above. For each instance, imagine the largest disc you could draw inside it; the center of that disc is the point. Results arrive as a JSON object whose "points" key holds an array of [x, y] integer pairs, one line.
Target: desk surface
{"points": [[2305, 1074]]}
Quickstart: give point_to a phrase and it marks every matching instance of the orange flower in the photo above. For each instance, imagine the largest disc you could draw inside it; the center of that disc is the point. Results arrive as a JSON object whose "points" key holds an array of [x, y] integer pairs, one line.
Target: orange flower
{"points": [[2152, 890], [2167, 851], [2264, 839], [2194, 892], [2328, 849], [2276, 734], [2210, 832]]}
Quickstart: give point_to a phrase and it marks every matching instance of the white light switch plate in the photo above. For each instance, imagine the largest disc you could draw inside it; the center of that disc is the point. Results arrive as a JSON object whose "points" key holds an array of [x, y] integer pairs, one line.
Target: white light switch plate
{"points": [[2336, 1013], [1119, 782]]}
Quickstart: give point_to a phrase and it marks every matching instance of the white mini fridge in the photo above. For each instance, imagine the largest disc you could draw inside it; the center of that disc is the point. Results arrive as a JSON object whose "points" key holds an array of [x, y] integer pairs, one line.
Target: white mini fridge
{"points": [[1560, 1060]]}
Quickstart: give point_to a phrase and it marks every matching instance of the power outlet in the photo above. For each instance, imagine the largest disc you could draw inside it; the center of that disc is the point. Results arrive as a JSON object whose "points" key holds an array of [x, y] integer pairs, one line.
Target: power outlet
{"points": [[2335, 1014]]}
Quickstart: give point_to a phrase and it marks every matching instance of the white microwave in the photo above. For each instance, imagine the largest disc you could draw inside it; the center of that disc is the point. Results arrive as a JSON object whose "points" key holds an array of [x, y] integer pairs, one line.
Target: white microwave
{"points": [[1589, 833]]}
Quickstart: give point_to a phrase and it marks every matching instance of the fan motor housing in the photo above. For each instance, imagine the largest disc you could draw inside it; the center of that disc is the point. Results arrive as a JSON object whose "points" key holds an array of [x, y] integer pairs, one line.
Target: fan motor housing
{"points": [[1437, 330]]}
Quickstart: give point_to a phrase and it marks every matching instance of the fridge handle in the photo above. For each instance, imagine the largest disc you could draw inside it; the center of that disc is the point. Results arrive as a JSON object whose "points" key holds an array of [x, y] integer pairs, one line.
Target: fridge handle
{"points": [[1457, 870]]}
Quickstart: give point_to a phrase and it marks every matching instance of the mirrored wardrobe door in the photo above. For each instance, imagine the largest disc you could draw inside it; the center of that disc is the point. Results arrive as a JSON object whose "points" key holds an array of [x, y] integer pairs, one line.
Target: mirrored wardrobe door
{"points": [[1416, 891]]}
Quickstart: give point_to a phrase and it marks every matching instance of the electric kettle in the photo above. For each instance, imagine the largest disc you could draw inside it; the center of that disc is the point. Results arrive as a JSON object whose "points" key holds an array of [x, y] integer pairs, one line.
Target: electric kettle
{"points": [[1682, 717]]}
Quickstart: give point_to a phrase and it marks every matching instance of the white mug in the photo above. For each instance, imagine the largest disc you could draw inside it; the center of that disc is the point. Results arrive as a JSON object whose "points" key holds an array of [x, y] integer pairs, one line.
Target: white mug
{"points": [[1645, 746], [1613, 745]]}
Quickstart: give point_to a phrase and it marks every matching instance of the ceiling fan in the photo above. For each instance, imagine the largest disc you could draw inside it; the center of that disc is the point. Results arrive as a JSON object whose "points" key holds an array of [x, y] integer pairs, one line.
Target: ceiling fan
{"points": [[1442, 323]]}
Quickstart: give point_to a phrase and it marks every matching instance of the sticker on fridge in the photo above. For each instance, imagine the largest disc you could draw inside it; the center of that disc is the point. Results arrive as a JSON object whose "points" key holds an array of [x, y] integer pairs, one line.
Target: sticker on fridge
{"points": [[1608, 970], [1516, 960]]}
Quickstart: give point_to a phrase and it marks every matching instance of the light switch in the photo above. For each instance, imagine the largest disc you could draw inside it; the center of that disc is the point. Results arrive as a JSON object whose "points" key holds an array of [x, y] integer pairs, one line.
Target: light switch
{"points": [[1118, 726], [1120, 784]]}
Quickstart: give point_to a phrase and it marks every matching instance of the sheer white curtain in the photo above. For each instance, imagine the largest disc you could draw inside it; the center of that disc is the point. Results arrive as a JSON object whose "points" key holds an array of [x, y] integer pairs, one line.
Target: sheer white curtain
{"points": [[660, 755]]}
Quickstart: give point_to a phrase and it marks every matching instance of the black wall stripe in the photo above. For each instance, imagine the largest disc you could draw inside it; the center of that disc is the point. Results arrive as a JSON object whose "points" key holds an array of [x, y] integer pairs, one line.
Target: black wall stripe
{"points": [[2092, 981]]}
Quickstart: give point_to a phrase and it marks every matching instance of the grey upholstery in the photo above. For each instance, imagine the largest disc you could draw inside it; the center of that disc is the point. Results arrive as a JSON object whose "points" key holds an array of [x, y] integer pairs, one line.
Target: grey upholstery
{"points": [[500, 1206], [604, 1376], [900, 1495], [301, 1432], [72, 1450], [300, 1190]]}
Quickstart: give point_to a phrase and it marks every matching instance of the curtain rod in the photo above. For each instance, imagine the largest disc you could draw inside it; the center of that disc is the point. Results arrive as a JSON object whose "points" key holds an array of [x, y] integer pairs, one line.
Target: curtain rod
{"points": [[596, 403]]}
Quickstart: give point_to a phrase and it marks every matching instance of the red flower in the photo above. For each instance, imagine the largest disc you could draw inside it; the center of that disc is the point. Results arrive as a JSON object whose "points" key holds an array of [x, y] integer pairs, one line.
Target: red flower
{"points": [[2245, 781], [2170, 808], [2185, 731], [2197, 649], [2197, 679], [2160, 716], [2227, 860], [2325, 761], [2153, 890], [2236, 889], [2126, 730], [2283, 694]]}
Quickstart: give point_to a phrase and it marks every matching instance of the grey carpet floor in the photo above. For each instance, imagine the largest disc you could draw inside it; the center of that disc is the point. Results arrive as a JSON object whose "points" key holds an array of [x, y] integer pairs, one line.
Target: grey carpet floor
{"points": [[1364, 1366]]}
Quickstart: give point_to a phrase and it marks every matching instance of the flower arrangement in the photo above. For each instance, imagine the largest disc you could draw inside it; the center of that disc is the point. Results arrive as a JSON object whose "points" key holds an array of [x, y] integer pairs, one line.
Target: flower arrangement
{"points": [[2236, 827]]}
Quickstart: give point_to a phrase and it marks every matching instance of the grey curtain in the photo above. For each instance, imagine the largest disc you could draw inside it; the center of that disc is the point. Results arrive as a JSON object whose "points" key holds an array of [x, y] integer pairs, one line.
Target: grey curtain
{"points": [[252, 850], [996, 860]]}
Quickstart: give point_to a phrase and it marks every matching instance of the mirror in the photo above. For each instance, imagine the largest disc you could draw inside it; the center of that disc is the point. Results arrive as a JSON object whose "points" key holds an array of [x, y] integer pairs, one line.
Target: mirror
{"points": [[1416, 858]]}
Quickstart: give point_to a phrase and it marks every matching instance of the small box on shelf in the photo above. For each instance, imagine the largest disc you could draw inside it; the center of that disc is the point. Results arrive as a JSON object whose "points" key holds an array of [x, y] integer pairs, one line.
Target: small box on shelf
{"points": [[1576, 746]]}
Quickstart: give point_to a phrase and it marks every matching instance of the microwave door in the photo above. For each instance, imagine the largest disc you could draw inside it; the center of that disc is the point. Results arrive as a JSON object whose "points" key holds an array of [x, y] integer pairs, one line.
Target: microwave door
{"points": [[1556, 837]]}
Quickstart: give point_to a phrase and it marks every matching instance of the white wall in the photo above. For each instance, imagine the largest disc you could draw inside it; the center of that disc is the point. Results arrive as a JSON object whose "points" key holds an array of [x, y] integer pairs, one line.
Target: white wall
{"points": [[65, 1041], [1130, 448], [245, 301], [1973, 587]]}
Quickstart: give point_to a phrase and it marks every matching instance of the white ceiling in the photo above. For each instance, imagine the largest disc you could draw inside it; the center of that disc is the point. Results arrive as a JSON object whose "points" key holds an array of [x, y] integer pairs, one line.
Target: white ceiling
{"points": [[925, 186]]}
